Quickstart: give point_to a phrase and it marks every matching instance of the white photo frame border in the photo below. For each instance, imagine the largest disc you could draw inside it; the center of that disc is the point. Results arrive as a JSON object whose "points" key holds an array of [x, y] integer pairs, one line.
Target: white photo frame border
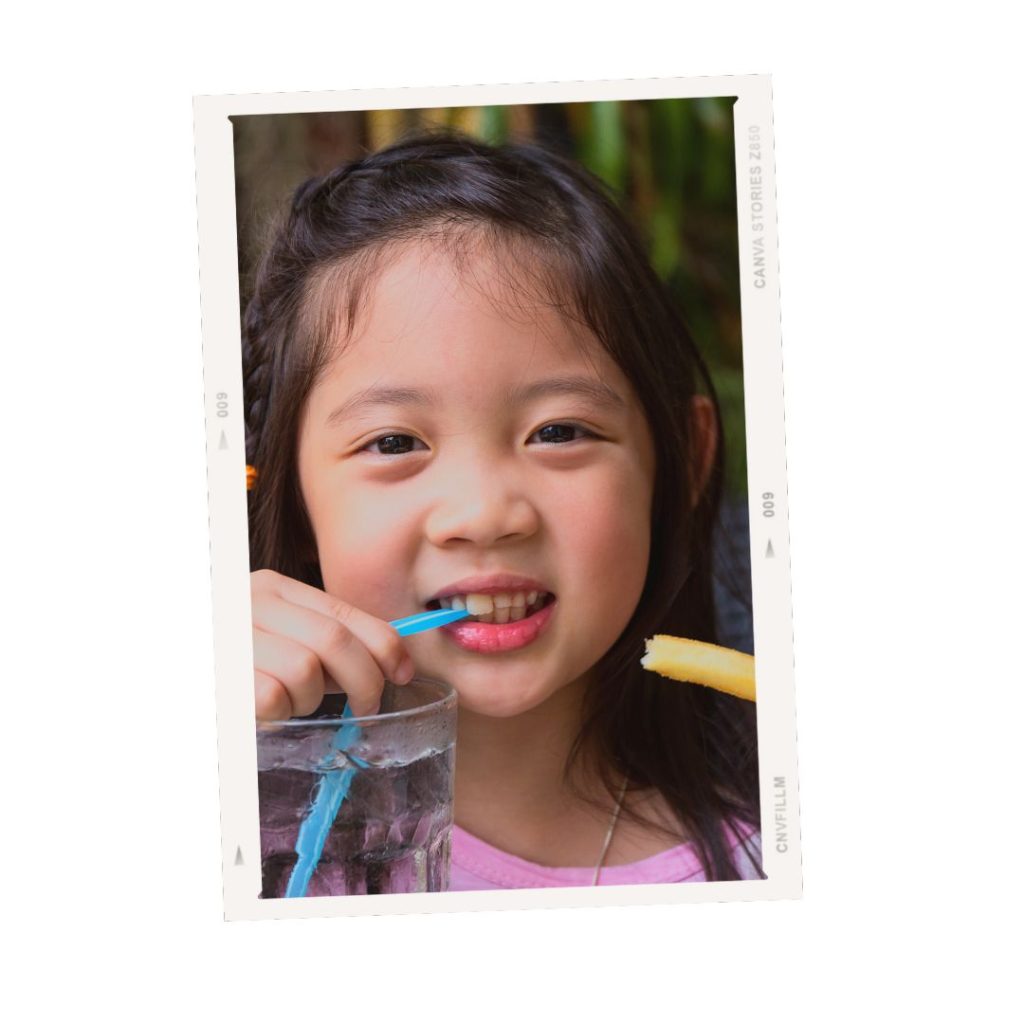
{"points": [[766, 475]]}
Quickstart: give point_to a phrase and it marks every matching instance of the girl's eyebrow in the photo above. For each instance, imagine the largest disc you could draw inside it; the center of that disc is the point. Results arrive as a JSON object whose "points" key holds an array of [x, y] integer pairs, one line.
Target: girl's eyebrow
{"points": [[379, 394], [586, 387]]}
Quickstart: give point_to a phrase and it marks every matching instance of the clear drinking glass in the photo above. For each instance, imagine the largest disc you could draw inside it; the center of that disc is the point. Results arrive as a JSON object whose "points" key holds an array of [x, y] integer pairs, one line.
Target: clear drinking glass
{"points": [[392, 831]]}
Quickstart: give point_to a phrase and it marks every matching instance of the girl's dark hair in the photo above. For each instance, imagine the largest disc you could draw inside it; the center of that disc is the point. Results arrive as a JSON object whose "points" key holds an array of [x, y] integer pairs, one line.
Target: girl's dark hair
{"points": [[695, 746]]}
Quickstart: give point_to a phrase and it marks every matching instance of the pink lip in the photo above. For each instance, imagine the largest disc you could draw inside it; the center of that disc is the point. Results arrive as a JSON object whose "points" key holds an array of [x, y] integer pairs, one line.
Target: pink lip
{"points": [[498, 583], [496, 638]]}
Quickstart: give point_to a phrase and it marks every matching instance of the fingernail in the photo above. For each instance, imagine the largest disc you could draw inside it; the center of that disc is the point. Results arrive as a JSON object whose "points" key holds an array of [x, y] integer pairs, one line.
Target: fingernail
{"points": [[359, 711], [405, 671]]}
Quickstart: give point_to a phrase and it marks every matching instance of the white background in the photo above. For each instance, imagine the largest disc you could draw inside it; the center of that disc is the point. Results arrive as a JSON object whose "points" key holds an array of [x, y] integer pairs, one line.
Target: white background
{"points": [[899, 162]]}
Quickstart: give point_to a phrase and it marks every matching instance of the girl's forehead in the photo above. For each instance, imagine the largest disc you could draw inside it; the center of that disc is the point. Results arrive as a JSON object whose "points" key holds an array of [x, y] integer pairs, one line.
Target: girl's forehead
{"points": [[482, 311]]}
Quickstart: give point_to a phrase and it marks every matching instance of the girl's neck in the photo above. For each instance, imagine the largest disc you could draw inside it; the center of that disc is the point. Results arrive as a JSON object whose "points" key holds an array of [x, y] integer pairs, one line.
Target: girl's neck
{"points": [[510, 789]]}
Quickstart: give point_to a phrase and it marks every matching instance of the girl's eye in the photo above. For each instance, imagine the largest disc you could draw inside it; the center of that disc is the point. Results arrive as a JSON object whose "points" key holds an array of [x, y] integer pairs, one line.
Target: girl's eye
{"points": [[393, 444], [560, 433]]}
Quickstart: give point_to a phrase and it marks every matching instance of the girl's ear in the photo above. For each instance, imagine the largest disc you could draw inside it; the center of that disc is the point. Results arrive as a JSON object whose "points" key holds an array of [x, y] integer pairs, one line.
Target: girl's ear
{"points": [[703, 443]]}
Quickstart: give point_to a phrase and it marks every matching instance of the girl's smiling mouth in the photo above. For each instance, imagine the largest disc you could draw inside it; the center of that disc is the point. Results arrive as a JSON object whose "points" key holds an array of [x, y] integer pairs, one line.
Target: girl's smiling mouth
{"points": [[509, 612]]}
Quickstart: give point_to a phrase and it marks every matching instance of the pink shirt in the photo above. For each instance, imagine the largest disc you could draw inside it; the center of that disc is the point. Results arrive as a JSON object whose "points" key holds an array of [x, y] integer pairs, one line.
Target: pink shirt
{"points": [[477, 865]]}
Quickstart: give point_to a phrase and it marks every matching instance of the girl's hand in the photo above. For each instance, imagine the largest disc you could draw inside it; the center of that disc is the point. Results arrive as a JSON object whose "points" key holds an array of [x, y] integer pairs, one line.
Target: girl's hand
{"points": [[307, 643]]}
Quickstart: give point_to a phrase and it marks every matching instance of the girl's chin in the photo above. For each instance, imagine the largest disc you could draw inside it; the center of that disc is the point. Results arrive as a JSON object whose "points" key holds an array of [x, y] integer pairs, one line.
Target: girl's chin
{"points": [[492, 708], [485, 701], [508, 691]]}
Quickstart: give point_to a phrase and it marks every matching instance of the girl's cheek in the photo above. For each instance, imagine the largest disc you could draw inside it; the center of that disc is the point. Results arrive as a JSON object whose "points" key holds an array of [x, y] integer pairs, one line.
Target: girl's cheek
{"points": [[365, 513], [615, 531], [366, 554]]}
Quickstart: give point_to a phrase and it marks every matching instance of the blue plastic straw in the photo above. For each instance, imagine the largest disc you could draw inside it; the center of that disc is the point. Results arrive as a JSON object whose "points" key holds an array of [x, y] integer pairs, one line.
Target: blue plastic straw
{"points": [[428, 620], [332, 789], [334, 785]]}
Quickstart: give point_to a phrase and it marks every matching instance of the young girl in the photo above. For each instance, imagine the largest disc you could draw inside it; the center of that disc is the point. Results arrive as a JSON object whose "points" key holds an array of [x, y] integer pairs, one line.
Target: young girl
{"points": [[464, 381]]}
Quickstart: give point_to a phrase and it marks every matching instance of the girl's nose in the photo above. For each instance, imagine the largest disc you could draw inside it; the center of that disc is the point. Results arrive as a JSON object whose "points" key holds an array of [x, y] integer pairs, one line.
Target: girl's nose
{"points": [[483, 508]]}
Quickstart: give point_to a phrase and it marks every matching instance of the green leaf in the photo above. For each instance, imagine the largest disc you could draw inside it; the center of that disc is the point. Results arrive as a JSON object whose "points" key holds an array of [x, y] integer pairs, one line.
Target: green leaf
{"points": [[494, 125], [605, 146]]}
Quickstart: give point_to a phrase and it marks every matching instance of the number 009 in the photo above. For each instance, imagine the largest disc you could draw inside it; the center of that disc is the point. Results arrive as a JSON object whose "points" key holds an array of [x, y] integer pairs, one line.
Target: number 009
{"points": [[768, 504], [222, 404]]}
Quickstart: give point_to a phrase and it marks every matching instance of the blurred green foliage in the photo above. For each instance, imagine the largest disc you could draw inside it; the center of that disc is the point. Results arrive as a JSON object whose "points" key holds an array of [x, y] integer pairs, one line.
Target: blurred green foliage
{"points": [[670, 163]]}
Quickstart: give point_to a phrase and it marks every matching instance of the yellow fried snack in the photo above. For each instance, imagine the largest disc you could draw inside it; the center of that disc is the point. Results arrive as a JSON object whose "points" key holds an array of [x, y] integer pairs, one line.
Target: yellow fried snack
{"points": [[691, 661]]}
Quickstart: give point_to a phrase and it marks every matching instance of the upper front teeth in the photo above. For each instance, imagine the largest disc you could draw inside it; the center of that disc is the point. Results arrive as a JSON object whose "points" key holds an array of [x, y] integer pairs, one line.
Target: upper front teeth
{"points": [[494, 607], [479, 604]]}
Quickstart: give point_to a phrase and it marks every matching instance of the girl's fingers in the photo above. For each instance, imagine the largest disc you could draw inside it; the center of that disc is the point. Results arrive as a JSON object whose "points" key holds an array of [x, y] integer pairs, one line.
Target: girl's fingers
{"points": [[294, 668], [345, 657], [380, 639], [272, 701], [314, 638]]}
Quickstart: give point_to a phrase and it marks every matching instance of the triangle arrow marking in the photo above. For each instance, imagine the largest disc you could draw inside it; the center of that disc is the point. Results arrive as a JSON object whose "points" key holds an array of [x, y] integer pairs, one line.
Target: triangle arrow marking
{"points": [[223, 440], [770, 553], [238, 858]]}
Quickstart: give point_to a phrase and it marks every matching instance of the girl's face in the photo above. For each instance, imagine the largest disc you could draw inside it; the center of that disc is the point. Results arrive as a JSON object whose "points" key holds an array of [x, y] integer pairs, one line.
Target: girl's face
{"points": [[453, 449]]}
